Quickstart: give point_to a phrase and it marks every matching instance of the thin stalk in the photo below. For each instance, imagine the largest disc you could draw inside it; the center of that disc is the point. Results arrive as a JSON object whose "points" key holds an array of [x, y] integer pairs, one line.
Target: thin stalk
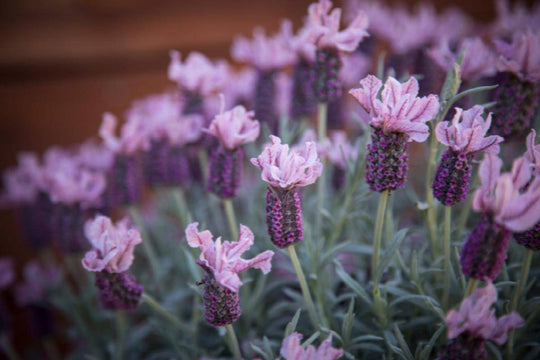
{"points": [[231, 218], [304, 286], [233, 342], [167, 315], [321, 183], [321, 125], [204, 164], [447, 223], [517, 293], [381, 211], [148, 248], [180, 203], [471, 287], [431, 209], [121, 331]]}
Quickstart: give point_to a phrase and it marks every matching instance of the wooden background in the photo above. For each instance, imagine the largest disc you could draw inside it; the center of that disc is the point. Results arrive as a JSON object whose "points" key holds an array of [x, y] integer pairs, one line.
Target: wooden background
{"points": [[64, 62]]}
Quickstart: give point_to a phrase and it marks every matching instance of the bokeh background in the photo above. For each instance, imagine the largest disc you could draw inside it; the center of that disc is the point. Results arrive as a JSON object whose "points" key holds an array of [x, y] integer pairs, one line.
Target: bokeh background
{"points": [[64, 62]]}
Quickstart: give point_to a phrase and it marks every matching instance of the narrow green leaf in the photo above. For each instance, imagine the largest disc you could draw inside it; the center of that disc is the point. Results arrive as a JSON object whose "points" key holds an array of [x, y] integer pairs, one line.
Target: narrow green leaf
{"points": [[291, 326], [348, 321], [353, 284], [402, 343], [389, 252], [426, 353]]}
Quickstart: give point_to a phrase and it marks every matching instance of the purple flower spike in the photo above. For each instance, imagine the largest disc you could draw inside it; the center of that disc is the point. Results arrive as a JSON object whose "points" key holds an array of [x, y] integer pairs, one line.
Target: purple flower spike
{"points": [[291, 349], [284, 216], [225, 173], [463, 347], [221, 304], [452, 178], [118, 291], [303, 99], [125, 181], [327, 86]]}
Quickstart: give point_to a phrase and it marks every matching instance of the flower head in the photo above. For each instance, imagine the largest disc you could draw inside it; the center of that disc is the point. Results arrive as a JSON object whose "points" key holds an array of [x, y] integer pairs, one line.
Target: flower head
{"points": [[113, 245], [134, 134], [476, 317], [521, 57], [22, 183], [38, 279], [399, 110], [223, 259], [291, 349], [467, 133], [338, 149], [501, 194], [197, 74], [288, 169], [533, 153], [235, 127], [323, 27]]}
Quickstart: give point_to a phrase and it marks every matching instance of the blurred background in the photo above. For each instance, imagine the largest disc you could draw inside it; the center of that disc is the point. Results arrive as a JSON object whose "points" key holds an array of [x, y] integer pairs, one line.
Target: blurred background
{"points": [[64, 62]]}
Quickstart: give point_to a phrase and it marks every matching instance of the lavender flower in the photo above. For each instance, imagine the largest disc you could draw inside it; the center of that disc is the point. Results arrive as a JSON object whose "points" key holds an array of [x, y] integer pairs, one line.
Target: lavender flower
{"points": [[465, 137], [338, 151], [286, 171], [110, 258], [223, 263], [291, 349], [474, 323], [233, 129], [398, 118], [518, 93]]}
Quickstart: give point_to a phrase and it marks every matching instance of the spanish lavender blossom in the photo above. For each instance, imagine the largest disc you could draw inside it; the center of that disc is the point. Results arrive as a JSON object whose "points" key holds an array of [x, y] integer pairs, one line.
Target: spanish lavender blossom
{"points": [[465, 137], [285, 171], [323, 27], [223, 263], [291, 349], [505, 208], [474, 323], [268, 54], [233, 129], [338, 150], [110, 258], [515, 18], [531, 238], [518, 92], [398, 118]]}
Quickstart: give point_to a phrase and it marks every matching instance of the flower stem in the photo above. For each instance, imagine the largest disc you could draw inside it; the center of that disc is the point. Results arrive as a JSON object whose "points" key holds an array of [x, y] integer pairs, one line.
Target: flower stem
{"points": [[381, 211], [447, 223], [321, 183], [321, 125], [164, 313], [231, 218], [471, 287], [121, 330], [233, 342], [517, 293], [180, 203], [430, 199], [303, 286]]}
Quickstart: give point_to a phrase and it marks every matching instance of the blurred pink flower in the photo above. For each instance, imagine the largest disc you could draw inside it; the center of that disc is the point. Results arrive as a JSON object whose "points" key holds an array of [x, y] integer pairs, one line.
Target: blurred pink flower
{"points": [[21, 184], [501, 194], [38, 279], [7, 273], [337, 149], [291, 349], [94, 156], [476, 317], [399, 110], [478, 59], [235, 127], [533, 153], [223, 259], [134, 135], [521, 57], [197, 74], [516, 18], [355, 67], [240, 85], [323, 27], [288, 169], [284, 84], [467, 132], [113, 245]]}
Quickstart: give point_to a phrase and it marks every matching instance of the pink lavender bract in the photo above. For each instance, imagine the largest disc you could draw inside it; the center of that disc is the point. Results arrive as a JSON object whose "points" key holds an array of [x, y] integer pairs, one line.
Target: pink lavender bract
{"points": [[223, 259], [399, 110], [291, 349], [533, 153], [288, 169], [476, 317], [113, 245], [521, 57], [134, 134]]}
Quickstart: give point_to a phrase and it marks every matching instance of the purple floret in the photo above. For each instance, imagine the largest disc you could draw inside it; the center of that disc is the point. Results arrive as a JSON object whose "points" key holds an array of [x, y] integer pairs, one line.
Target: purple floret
{"points": [[225, 171], [327, 86], [284, 216], [452, 179], [118, 291], [222, 305]]}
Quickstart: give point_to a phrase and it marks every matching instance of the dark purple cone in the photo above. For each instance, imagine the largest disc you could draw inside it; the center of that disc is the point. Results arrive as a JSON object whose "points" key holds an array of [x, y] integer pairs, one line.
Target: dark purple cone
{"points": [[225, 171], [166, 165], [530, 238], [67, 223], [35, 221], [338, 178], [222, 305], [327, 86], [517, 103], [452, 179], [193, 103], [464, 347], [336, 114], [118, 291], [303, 100], [387, 161], [484, 251], [284, 216], [125, 180], [265, 95]]}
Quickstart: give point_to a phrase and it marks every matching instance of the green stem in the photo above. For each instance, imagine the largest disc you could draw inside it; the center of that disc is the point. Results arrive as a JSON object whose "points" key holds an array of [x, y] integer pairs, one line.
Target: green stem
{"points": [[148, 248], [180, 203], [303, 286], [431, 209], [203, 161], [164, 313], [471, 286], [527, 260], [121, 331], [321, 125], [233, 342], [321, 183], [447, 223], [381, 210], [231, 218]]}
